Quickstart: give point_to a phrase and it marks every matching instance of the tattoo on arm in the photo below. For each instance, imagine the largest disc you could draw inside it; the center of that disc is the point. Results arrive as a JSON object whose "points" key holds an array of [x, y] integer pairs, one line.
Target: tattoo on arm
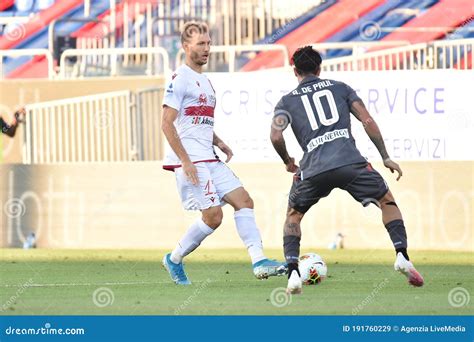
{"points": [[370, 126], [356, 108], [380, 144], [292, 229], [280, 146]]}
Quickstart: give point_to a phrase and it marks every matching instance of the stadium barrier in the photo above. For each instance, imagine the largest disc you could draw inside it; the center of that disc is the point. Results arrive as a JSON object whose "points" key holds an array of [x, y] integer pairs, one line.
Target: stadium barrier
{"points": [[439, 54], [150, 137], [136, 205], [84, 129], [78, 63], [15, 93], [155, 61], [107, 127], [357, 48], [425, 120]]}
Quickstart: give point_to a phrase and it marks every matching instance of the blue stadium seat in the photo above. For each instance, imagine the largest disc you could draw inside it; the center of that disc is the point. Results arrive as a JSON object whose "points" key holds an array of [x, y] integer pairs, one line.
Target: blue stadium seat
{"points": [[40, 39], [391, 14], [463, 32]]}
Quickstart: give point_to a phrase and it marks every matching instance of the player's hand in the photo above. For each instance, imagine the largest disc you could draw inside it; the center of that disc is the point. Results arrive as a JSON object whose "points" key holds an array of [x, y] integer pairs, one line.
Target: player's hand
{"points": [[226, 149], [291, 166], [390, 164], [19, 116], [190, 172]]}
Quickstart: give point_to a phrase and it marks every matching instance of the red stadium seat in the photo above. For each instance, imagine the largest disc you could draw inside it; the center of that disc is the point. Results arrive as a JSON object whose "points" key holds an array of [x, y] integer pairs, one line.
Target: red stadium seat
{"points": [[5, 4], [41, 20], [316, 30], [445, 14]]}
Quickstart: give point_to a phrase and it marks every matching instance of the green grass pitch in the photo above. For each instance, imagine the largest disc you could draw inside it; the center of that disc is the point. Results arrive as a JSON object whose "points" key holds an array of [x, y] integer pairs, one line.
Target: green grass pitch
{"points": [[132, 282]]}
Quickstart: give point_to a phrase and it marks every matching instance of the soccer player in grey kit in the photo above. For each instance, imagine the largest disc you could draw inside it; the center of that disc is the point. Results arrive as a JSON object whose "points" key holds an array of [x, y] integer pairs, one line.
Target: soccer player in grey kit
{"points": [[318, 111]]}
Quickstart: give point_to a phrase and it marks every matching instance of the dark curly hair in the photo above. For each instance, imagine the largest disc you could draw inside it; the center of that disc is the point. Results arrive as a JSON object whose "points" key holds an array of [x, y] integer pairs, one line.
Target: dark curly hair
{"points": [[306, 60]]}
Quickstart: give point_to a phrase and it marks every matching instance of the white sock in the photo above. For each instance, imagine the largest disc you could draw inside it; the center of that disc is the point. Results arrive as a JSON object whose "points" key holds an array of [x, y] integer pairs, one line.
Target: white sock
{"points": [[249, 233], [196, 233]]}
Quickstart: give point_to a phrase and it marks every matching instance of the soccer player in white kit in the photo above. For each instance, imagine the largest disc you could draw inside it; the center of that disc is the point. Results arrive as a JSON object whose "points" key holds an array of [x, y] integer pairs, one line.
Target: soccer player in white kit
{"points": [[204, 182]]}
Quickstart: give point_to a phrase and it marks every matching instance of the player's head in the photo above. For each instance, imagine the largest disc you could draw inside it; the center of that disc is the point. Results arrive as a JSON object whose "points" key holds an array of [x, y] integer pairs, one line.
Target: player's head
{"points": [[306, 61], [196, 42]]}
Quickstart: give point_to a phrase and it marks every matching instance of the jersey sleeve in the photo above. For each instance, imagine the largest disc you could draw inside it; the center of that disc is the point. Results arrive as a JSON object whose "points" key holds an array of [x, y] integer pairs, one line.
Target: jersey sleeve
{"points": [[351, 95], [281, 116], [280, 109], [174, 93]]}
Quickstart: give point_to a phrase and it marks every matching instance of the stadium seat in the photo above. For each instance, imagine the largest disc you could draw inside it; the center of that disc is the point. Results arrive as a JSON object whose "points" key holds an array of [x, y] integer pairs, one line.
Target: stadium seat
{"points": [[316, 30], [6, 4], [444, 14], [391, 14], [463, 31], [36, 67]]}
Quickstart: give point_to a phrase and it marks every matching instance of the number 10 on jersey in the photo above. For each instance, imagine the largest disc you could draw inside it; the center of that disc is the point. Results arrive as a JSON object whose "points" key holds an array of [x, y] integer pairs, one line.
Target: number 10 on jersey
{"points": [[323, 118]]}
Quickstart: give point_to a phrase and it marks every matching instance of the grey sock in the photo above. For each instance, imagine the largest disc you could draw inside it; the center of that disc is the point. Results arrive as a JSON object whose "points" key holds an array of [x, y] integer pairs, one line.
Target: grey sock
{"points": [[398, 234], [291, 247]]}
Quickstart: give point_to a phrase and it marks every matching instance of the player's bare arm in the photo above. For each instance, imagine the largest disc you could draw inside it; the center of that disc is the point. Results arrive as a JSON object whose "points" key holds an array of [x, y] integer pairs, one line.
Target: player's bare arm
{"points": [[167, 125], [278, 142], [372, 129], [216, 141]]}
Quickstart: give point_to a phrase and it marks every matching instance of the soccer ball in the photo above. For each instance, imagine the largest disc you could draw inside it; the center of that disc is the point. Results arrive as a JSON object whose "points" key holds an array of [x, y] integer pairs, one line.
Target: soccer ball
{"points": [[312, 268]]}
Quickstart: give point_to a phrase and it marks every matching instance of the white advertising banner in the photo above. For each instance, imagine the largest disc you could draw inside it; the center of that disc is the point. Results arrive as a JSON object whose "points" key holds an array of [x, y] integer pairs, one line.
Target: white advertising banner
{"points": [[423, 115]]}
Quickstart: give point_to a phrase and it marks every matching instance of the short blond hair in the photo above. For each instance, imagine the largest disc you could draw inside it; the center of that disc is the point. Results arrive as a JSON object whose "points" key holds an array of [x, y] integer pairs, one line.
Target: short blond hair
{"points": [[191, 28]]}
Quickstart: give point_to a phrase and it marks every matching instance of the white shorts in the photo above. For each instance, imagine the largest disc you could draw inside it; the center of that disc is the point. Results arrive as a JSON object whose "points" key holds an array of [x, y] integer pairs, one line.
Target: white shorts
{"points": [[215, 181]]}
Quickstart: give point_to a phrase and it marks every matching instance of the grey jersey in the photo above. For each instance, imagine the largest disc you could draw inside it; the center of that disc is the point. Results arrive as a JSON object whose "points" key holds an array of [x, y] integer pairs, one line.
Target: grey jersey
{"points": [[319, 113]]}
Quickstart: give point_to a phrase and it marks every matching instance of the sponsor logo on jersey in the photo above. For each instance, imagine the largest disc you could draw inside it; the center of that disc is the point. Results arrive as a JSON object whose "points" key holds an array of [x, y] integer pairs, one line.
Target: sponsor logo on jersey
{"points": [[202, 120], [202, 100], [327, 137]]}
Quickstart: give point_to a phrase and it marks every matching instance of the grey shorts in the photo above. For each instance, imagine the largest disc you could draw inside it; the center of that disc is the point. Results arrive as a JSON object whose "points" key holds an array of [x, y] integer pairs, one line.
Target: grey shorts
{"points": [[364, 183]]}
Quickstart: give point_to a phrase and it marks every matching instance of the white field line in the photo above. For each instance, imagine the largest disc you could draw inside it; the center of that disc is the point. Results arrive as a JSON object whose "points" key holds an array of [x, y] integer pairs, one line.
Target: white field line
{"points": [[89, 284]]}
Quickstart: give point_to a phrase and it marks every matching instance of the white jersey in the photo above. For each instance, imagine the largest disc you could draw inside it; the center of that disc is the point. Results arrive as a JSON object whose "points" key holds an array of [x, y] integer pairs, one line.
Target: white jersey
{"points": [[193, 96]]}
